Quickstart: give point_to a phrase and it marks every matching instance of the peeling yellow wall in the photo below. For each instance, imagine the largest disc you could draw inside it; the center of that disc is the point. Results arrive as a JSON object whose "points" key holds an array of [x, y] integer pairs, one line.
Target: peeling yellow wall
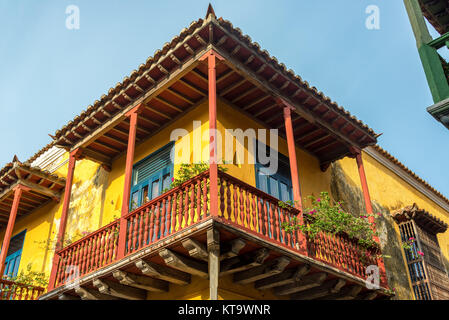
{"points": [[392, 192]]}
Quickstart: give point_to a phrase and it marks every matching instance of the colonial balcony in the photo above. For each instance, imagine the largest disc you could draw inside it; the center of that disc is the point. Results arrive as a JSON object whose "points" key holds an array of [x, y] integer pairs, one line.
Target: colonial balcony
{"points": [[172, 238], [10, 290]]}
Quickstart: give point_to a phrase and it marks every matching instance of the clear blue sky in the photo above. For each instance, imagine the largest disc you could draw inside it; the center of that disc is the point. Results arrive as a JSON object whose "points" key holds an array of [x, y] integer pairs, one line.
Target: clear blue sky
{"points": [[49, 74]]}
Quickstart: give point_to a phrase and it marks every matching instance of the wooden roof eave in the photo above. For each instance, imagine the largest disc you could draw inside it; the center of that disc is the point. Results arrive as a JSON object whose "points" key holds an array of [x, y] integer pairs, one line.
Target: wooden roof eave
{"points": [[301, 110], [183, 68]]}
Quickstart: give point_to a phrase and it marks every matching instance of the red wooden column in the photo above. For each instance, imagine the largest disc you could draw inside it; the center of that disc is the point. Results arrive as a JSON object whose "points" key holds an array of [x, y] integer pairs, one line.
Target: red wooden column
{"points": [[132, 115], [74, 155], [212, 77], [12, 219], [294, 171], [369, 208]]}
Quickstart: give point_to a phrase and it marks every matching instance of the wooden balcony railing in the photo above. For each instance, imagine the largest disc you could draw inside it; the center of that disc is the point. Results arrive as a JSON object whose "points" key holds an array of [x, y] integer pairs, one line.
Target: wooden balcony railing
{"points": [[259, 213], [240, 204], [10, 290]]}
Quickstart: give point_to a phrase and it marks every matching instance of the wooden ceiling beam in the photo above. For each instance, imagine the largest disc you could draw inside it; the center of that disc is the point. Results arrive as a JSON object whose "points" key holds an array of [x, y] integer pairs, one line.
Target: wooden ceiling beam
{"points": [[168, 103], [180, 95], [245, 94], [327, 135], [231, 87], [158, 112], [193, 87], [258, 100]]}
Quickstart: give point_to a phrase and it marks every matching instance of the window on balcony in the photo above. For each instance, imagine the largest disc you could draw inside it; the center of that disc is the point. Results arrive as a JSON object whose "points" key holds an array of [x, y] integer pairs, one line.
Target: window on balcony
{"points": [[151, 176], [14, 254], [279, 184]]}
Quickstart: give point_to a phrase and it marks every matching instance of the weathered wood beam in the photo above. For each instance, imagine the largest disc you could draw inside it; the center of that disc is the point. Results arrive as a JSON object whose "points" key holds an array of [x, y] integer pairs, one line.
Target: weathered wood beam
{"points": [[67, 297], [120, 141], [225, 76], [141, 282], [180, 96], [266, 270], [284, 278], [330, 287], [347, 293], [232, 248], [245, 94], [262, 98], [307, 282], [182, 263], [213, 248], [168, 104], [367, 296], [310, 143], [119, 290], [96, 156], [200, 75], [92, 294], [43, 191], [152, 109], [231, 87], [265, 109], [243, 262], [107, 146], [196, 249], [163, 273], [193, 87]]}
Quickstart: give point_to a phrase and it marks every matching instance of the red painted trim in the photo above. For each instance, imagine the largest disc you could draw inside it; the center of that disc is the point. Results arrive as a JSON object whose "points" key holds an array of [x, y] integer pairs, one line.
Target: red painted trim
{"points": [[133, 115], [74, 155], [212, 73], [366, 196], [294, 172], [12, 219], [369, 210]]}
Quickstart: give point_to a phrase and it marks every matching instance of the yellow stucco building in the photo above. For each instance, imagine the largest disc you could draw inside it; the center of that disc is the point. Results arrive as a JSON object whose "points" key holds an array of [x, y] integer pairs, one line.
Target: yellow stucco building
{"points": [[96, 210]]}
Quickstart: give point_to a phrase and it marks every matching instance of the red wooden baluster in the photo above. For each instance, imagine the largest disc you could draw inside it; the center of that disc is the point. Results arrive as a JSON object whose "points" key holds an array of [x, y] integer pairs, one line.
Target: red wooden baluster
{"points": [[186, 206], [114, 243], [158, 217], [282, 216], [271, 219], [135, 231], [253, 216], [265, 208], [260, 225], [130, 233], [141, 228], [78, 257], [98, 247], [147, 226], [205, 194], [59, 274], [236, 212], [107, 240], [276, 221], [222, 198], [181, 209], [169, 215], [242, 207], [175, 212], [92, 254], [83, 256], [163, 216], [228, 200], [69, 263], [198, 199], [248, 209], [192, 203]]}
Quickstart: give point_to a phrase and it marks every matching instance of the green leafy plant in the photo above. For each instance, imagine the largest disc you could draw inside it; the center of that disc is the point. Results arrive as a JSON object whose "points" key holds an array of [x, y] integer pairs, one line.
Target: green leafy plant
{"points": [[327, 216], [29, 277]]}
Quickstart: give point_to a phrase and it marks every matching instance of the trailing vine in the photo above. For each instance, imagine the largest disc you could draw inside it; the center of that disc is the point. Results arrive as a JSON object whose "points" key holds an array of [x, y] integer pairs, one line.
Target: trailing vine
{"points": [[328, 216]]}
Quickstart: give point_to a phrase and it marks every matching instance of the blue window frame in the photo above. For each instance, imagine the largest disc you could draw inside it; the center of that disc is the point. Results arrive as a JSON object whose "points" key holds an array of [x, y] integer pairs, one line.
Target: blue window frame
{"points": [[279, 185], [12, 260], [151, 176]]}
